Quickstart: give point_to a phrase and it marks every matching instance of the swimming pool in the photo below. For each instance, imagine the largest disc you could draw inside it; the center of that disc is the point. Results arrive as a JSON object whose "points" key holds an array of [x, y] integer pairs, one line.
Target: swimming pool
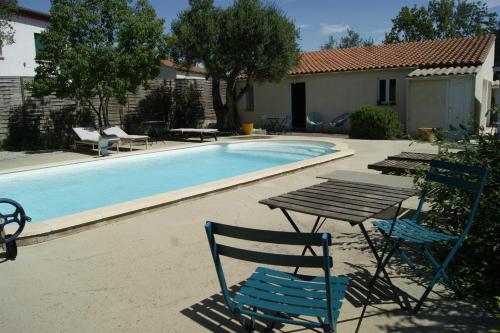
{"points": [[63, 190]]}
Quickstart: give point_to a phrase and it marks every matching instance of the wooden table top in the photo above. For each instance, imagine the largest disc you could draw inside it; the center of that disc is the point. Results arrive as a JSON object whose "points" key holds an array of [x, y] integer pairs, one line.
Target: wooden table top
{"points": [[348, 201]]}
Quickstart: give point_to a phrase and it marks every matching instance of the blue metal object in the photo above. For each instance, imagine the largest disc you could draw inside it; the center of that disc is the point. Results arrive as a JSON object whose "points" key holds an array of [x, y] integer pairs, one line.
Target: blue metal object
{"points": [[419, 237], [18, 217], [340, 120], [314, 119], [274, 295]]}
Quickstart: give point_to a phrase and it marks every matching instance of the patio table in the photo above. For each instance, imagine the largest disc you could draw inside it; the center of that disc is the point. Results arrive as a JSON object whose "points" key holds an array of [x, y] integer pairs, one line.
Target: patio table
{"points": [[343, 200]]}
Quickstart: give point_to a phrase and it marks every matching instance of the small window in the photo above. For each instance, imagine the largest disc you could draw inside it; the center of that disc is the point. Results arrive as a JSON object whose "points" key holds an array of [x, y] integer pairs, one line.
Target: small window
{"points": [[38, 44], [1, 54], [386, 91], [249, 99]]}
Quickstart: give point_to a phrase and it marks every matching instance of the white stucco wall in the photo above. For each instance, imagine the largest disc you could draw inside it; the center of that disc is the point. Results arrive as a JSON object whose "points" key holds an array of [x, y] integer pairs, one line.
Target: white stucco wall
{"points": [[482, 90], [168, 73], [427, 103], [19, 58], [330, 94]]}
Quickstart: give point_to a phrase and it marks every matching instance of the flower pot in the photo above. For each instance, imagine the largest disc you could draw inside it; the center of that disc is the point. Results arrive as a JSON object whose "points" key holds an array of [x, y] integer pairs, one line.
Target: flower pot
{"points": [[247, 128], [427, 134]]}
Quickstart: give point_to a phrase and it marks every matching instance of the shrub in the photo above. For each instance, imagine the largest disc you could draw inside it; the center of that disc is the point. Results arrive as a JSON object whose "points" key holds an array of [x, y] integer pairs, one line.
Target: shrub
{"points": [[24, 129], [188, 110], [156, 106], [372, 122], [476, 265], [32, 128]]}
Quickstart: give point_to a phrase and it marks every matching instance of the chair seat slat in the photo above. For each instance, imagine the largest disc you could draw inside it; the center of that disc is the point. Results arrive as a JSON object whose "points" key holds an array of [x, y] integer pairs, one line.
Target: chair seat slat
{"points": [[297, 283], [293, 300], [410, 231], [286, 308]]}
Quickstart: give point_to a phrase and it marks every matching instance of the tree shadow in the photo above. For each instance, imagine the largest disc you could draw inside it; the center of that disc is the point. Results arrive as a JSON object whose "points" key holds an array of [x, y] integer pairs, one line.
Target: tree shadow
{"points": [[443, 316]]}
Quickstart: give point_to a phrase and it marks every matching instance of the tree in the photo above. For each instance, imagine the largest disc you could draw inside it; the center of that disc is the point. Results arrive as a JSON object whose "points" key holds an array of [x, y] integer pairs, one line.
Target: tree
{"points": [[442, 19], [247, 39], [97, 50], [7, 8], [351, 39]]}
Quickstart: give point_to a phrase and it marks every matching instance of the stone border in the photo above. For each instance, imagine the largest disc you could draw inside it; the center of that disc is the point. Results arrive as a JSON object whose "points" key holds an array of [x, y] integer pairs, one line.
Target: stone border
{"points": [[62, 226]]}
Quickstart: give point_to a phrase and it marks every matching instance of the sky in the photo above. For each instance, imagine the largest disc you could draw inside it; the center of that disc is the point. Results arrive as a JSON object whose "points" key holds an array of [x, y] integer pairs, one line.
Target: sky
{"points": [[317, 19]]}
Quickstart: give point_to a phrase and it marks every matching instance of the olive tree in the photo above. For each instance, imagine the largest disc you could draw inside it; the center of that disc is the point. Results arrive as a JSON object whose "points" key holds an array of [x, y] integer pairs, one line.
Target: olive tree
{"points": [[248, 40]]}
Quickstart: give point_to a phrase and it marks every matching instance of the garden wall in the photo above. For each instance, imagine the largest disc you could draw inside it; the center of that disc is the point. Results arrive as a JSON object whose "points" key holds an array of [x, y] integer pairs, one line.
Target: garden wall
{"points": [[14, 95]]}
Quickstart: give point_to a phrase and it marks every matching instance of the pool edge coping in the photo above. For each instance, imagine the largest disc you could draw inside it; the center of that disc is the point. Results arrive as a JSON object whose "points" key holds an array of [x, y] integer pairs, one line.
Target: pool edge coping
{"points": [[75, 223]]}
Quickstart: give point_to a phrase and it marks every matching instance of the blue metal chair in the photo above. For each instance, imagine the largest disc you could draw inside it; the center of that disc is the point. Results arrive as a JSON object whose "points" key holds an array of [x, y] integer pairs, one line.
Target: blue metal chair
{"points": [[340, 121], [276, 296], [410, 233], [315, 120]]}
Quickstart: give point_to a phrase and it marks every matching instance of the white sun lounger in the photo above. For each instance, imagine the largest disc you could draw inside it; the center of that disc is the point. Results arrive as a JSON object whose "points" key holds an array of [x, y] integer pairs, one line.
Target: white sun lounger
{"points": [[200, 132], [126, 138], [90, 136]]}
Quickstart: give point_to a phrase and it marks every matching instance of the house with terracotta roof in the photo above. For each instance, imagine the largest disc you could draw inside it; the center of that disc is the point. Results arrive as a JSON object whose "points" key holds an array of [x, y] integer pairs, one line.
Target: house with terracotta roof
{"points": [[429, 84]]}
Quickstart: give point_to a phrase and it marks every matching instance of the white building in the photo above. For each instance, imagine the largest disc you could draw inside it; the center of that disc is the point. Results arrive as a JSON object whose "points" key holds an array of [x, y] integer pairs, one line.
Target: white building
{"points": [[171, 70], [18, 59]]}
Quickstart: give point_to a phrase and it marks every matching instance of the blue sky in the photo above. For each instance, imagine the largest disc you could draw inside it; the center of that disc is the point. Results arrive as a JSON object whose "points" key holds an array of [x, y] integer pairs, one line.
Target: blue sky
{"points": [[317, 19]]}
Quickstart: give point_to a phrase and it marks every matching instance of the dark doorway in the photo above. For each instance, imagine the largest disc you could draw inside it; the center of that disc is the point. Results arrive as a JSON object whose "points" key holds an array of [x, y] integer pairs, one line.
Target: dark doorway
{"points": [[299, 106]]}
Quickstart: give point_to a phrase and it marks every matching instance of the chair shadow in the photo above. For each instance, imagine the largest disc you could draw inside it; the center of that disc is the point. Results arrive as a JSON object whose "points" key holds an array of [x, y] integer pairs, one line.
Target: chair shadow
{"points": [[213, 314], [3, 257]]}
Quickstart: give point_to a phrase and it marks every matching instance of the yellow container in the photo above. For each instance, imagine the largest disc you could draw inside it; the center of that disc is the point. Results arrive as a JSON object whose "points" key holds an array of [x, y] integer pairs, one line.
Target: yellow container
{"points": [[427, 134], [247, 128]]}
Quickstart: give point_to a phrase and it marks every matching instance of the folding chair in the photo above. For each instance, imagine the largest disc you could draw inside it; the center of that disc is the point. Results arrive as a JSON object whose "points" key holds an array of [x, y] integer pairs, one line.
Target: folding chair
{"points": [[276, 296], [410, 233]]}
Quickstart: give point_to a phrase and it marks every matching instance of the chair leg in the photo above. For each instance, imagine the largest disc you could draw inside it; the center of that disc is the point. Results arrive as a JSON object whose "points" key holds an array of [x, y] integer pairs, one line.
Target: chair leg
{"points": [[446, 279], [380, 268]]}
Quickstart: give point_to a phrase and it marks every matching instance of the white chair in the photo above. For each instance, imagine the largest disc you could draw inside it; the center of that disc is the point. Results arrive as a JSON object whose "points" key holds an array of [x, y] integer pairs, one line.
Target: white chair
{"points": [[126, 138], [90, 136]]}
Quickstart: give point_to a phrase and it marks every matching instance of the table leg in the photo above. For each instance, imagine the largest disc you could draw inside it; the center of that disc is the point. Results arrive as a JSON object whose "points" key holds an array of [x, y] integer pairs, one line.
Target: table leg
{"points": [[381, 262], [294, 226]]}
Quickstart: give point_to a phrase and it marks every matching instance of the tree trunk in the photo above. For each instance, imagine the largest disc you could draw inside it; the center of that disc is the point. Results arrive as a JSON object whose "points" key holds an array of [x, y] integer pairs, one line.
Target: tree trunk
{"points": [[227, 115]]}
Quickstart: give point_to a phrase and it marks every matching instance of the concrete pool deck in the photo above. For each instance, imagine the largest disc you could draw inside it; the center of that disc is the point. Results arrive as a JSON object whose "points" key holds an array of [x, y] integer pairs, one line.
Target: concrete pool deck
{"points": [[153, 272]]}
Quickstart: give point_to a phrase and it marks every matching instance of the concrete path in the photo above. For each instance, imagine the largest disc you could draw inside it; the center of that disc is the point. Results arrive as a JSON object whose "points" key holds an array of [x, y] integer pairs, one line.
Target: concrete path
{"points": [[154, 273]]}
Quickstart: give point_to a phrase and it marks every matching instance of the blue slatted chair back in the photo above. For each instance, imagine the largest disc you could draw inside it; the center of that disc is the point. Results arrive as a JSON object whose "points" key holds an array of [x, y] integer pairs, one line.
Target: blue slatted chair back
{"points": [[265, 236], [340, 120], [470, 178]]}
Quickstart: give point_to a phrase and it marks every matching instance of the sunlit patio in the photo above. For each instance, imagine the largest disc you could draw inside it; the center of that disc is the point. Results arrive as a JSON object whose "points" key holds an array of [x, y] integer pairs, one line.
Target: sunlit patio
{"points": [[153, 271]]}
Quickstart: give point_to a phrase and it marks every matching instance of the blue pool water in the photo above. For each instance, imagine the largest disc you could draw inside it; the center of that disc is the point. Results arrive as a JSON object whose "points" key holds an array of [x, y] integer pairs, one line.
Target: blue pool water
{"points": [[59, 191]]}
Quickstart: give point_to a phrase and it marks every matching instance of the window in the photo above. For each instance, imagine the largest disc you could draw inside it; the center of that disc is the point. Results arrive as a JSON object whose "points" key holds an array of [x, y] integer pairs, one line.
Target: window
{"points": [[1, 54], [38, 44], [249, 99], [386, 91]]}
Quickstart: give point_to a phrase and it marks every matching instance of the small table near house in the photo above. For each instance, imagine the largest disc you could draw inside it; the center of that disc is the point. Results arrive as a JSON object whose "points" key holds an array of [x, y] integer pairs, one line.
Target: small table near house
{"points": [[154, 128], [343, 200]]}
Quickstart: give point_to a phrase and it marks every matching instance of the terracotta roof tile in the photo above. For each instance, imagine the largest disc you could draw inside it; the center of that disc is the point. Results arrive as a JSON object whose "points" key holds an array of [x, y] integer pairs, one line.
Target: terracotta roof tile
{"points": [[467, 51], [194, 69]]}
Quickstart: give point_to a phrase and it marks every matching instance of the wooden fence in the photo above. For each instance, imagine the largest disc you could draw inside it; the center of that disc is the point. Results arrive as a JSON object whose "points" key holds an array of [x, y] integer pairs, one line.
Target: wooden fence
{"points": [[14, 95]]}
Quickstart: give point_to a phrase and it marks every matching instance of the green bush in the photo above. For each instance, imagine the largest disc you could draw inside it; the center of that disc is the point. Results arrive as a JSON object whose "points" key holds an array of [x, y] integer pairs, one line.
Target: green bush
{"points": [[476, 264], [179, 108], [372, 122], [188, 110], [32, 128]]}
